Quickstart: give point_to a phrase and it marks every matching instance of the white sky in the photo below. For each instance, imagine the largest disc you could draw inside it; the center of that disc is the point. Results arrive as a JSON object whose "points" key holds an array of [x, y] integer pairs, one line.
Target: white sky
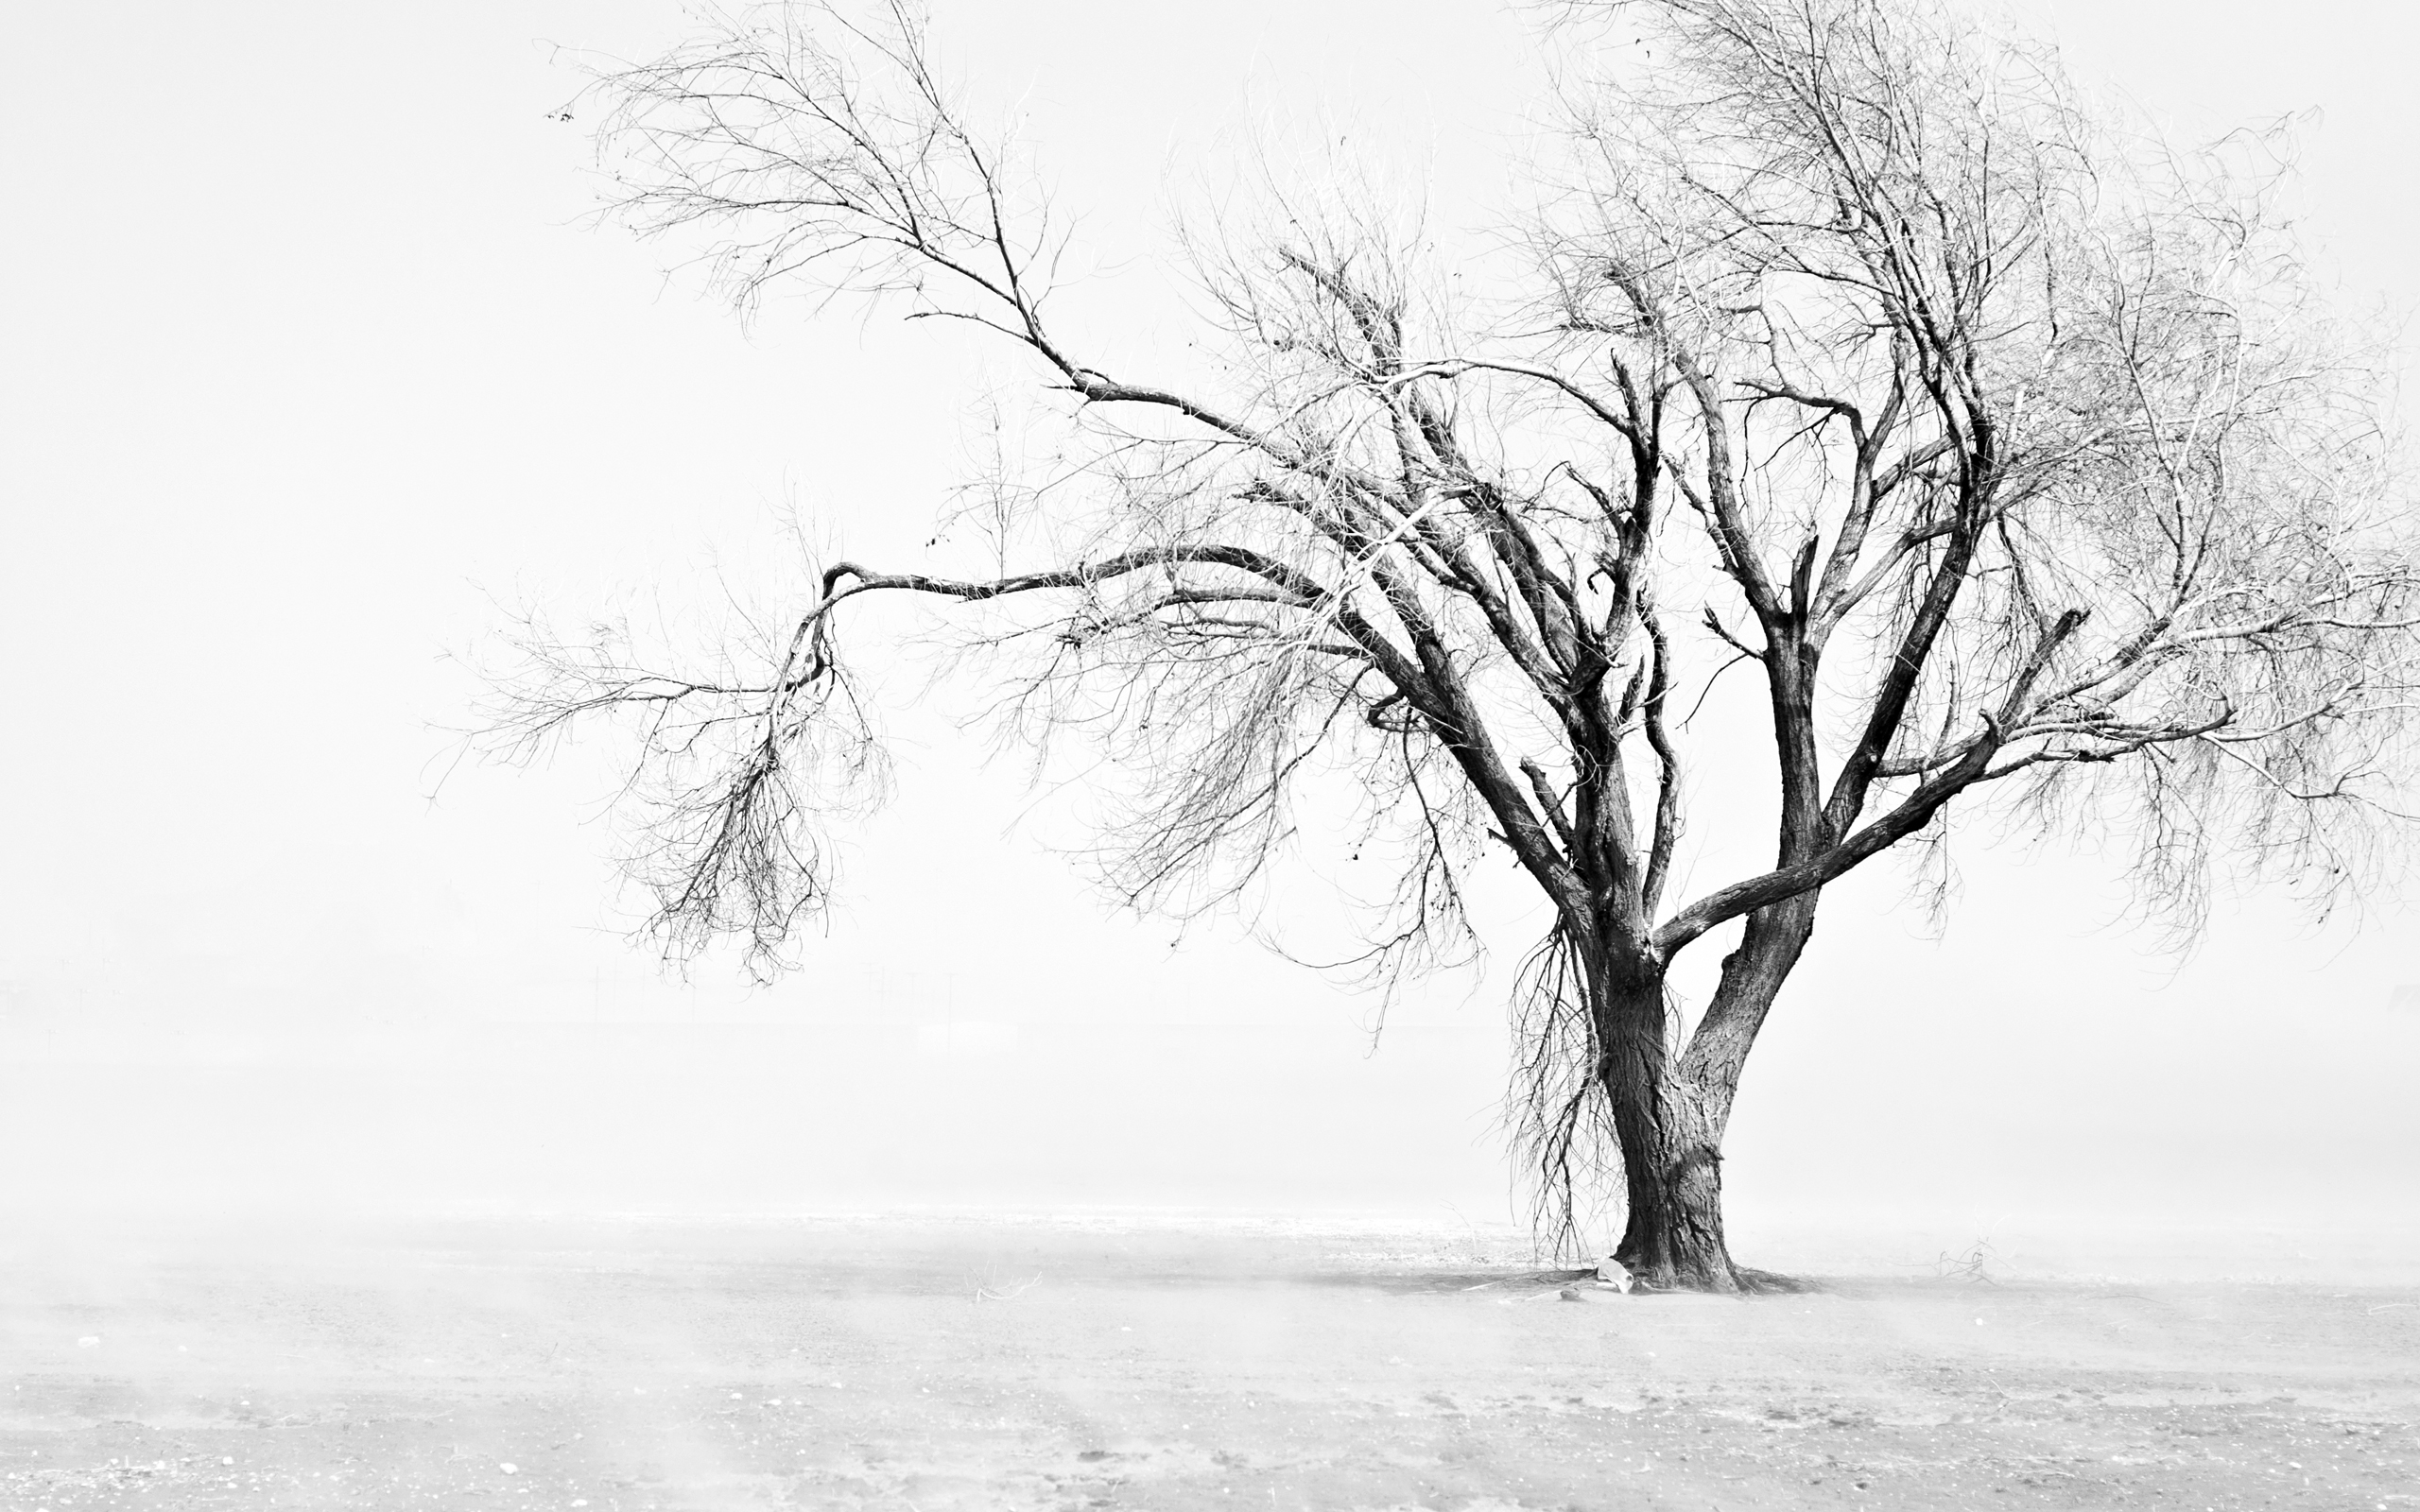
{"points": [[307, 356]]}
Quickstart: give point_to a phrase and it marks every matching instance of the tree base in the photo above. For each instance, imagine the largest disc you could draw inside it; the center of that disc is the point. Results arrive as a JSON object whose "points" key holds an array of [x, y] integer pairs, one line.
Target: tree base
{"points": [[1741, 1280]]}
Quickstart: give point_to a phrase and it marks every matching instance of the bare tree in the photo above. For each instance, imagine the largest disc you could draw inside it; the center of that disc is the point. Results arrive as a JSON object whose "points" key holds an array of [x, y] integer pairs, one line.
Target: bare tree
{"points": [[2015, 455]]}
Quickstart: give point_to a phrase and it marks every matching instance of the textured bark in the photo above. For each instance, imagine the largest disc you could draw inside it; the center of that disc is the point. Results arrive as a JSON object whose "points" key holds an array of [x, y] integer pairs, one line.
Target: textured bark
{"points": [[1671, 1161], [1751, 978], [1674, 1238], [1670, 1112]]}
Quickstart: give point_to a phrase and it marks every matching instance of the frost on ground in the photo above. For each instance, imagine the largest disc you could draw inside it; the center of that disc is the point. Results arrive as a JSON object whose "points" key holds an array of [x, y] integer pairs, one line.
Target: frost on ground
{"points": [[1017, 1364]]}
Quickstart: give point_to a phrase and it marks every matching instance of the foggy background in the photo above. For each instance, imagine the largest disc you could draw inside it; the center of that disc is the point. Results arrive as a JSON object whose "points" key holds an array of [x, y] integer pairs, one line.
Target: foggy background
{"points": [[310, 364]]}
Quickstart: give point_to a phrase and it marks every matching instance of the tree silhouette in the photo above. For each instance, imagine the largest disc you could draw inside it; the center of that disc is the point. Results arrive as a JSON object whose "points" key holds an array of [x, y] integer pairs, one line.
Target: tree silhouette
{"points": [[1838, 341]]}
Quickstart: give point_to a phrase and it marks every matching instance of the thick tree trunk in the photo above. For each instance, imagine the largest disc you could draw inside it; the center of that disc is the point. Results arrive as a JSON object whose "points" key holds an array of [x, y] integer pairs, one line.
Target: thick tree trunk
{"points": [[1673, 1239], [1671, 1149], [1670, 1112]]}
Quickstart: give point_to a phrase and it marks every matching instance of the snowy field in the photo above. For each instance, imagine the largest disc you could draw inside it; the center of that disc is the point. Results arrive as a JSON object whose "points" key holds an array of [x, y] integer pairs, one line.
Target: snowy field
{"points": [[1174, 1360]]}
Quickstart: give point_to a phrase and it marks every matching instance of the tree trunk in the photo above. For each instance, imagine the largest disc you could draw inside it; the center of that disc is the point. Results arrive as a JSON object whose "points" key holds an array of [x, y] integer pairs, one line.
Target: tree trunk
{"points": [[1671, 1159], [1673, 1239], [1669, 1113]]}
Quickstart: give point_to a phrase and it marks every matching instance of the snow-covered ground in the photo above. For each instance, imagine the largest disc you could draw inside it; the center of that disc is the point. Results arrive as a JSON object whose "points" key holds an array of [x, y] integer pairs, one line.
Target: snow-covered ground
{"points": [[1172, 1360]]}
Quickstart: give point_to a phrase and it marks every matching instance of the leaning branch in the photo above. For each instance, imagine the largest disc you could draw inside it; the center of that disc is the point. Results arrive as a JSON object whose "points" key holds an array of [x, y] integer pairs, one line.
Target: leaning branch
{"points": [[1783, 882]]}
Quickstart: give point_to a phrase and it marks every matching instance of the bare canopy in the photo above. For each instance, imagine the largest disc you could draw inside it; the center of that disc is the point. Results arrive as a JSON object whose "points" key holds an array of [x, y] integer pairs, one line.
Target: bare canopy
{"points": [[2016, 457]]}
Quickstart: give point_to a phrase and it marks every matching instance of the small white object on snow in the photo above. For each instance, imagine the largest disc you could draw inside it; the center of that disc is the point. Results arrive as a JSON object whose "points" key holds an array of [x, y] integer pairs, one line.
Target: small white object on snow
{"points": [[509, 1469], [1615, 1274], [226, 1459], [90, 1341]]}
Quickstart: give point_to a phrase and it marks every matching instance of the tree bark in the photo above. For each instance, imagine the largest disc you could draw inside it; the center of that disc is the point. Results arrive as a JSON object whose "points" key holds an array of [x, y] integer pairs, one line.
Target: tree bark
{"points": [[1674, 1238], [1670, 1112], [1671, 1161]]}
